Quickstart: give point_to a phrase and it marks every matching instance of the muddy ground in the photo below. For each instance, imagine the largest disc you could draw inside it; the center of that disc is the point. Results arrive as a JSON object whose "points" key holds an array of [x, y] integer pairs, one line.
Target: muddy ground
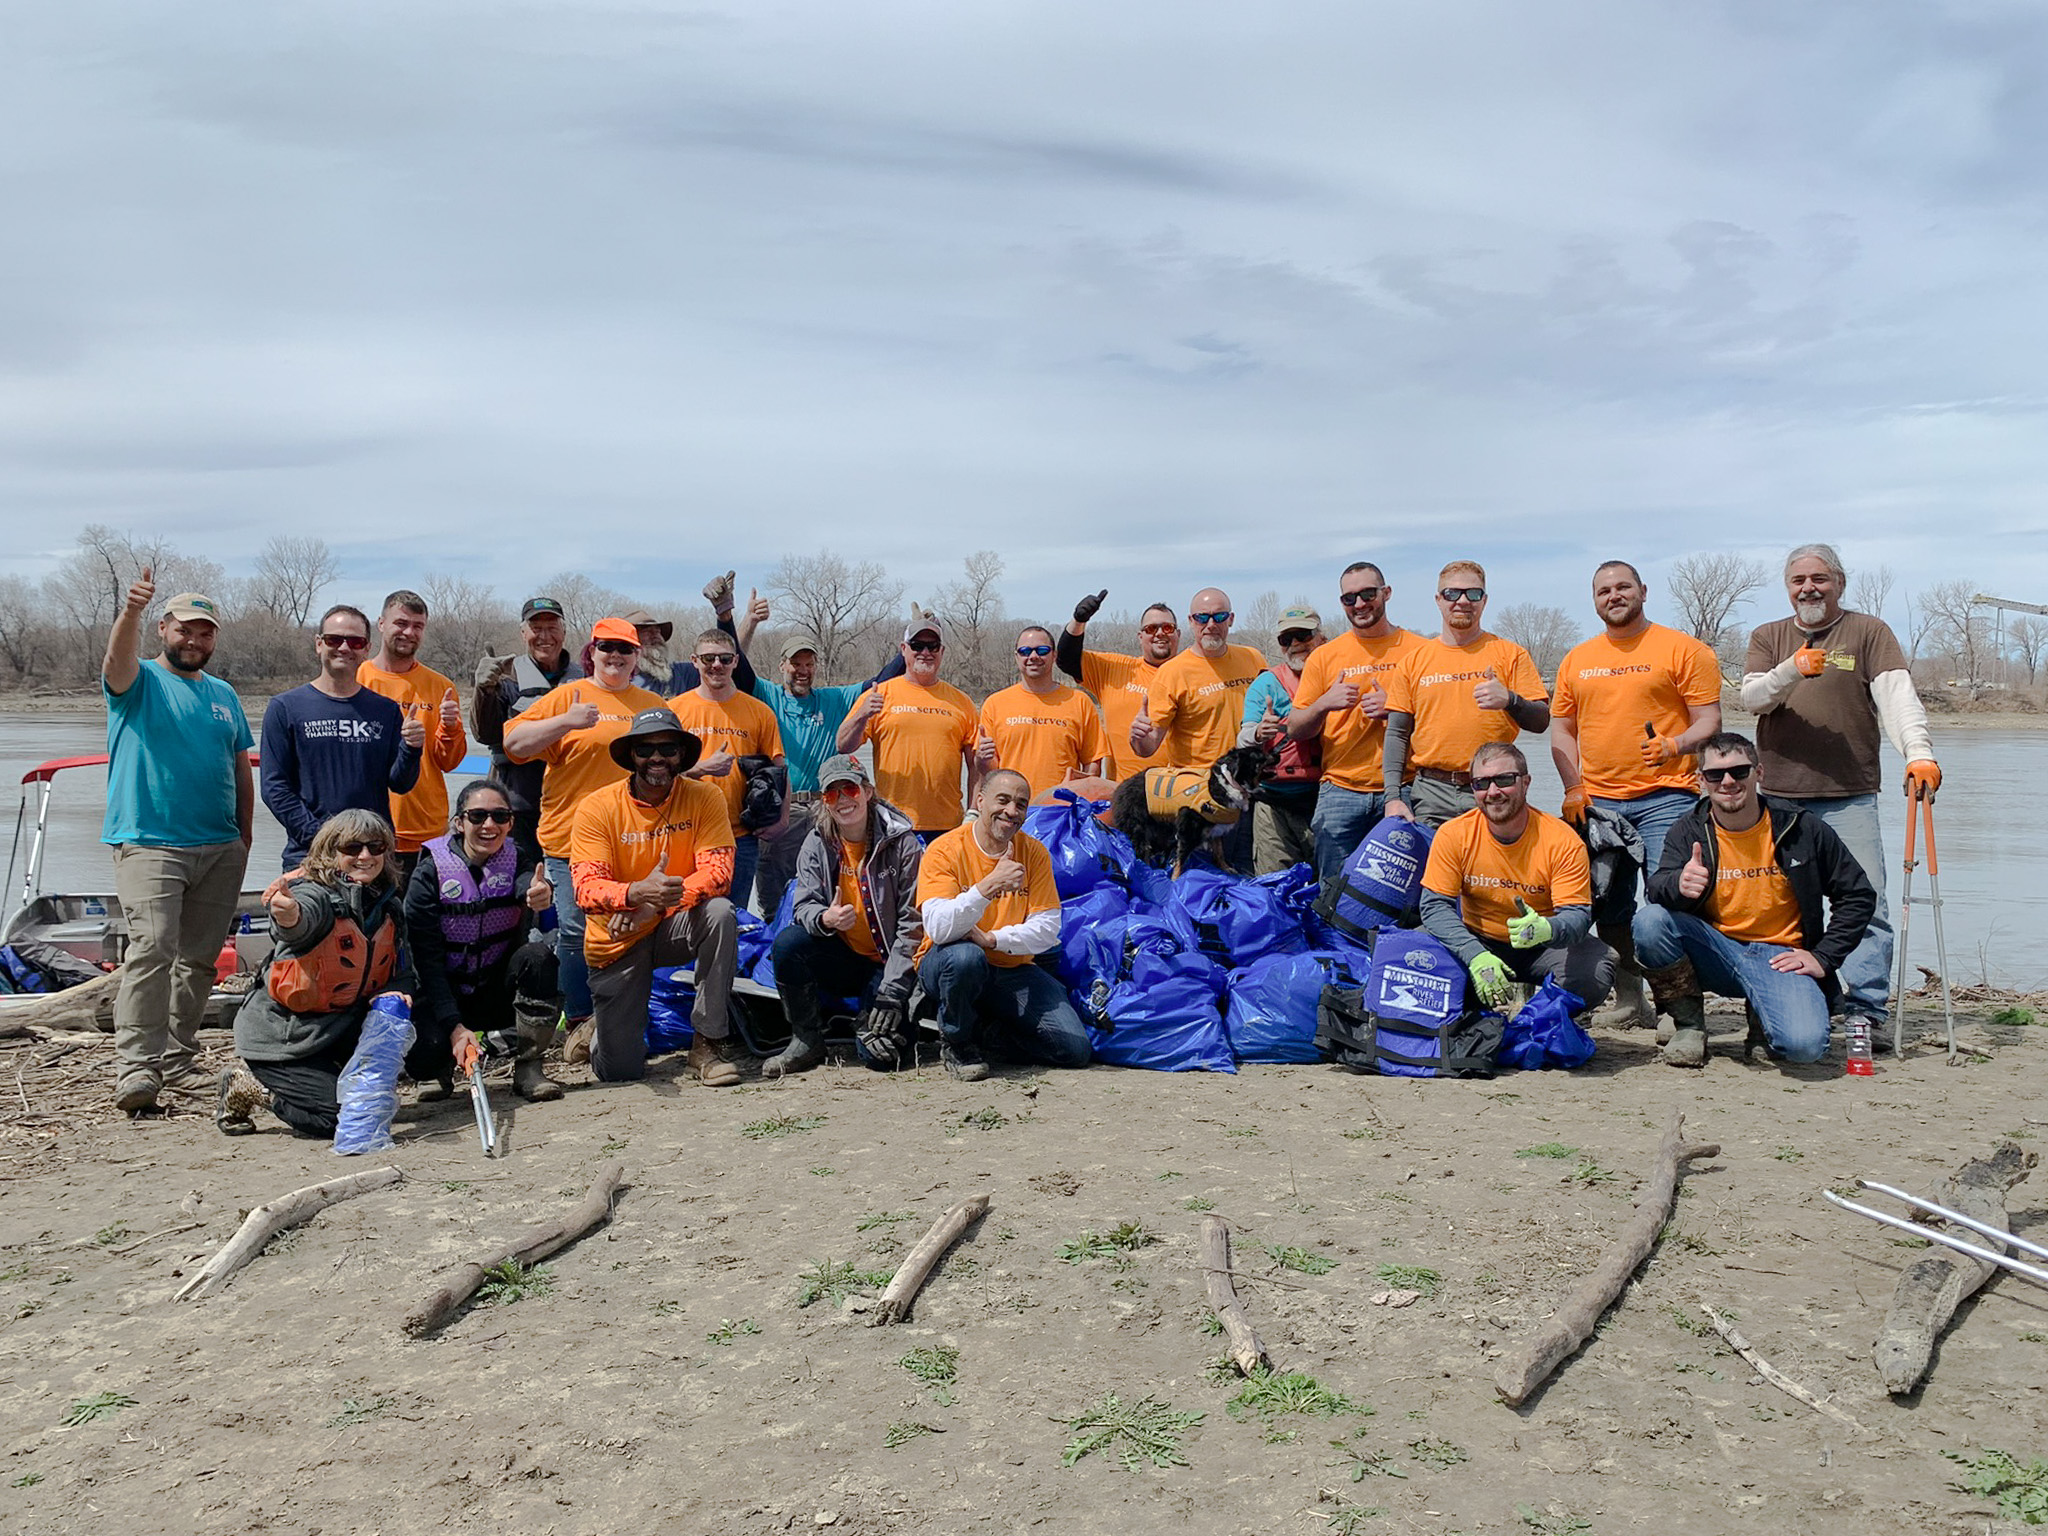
{"points": [[671, 1381]]}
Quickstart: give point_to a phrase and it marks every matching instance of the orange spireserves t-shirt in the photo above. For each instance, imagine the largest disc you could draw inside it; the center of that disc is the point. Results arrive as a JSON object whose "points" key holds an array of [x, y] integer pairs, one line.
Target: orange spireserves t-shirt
{"points": [[741, 725], [1546, 867], [860, 938], [954, 862], [1120, 684], [1352, 743], [918, 738], [1752, 901], [1198, 704], [1613, 687], [617, 840], [582, 760], [1434, 683], [421, 812], [1044, 736]]}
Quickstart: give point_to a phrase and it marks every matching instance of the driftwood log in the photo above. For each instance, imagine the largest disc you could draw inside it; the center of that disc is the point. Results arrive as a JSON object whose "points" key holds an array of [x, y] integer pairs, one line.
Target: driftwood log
{"points": [[1245, 1348], [1777, 1378], [1530, 1363], [266, 1221], [447, 1298], [75, 1008], [1931, 1289], [918, 1264]]}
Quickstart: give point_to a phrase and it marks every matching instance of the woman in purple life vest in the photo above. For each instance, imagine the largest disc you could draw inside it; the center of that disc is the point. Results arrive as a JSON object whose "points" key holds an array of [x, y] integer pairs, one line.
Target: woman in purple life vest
{"points": [[472, 897]]}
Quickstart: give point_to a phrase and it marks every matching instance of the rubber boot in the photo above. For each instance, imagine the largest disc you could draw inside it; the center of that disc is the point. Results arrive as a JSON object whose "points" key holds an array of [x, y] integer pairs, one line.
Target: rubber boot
{"points": [[805, 1050], [712, 1069], [1677, 992], [1756, 1040], [536, 1021], [1629, 1005]]}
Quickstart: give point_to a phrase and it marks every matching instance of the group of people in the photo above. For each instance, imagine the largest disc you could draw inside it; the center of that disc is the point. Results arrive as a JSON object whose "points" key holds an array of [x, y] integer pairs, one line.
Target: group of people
{"points": [[639, 800]]}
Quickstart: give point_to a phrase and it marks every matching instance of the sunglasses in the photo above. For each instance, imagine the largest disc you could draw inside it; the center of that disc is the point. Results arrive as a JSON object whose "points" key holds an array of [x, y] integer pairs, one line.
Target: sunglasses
{"points": [[346, 642], [1296, 637], [1362, 595], [843, 790], [617, 647], [642, 750], [716, 659], [1034, 650], [1496, 781], [1462, 594], [925, 647], [1159, 629], [477, 818], [357, 850], [1736, 771], [1222, 616]]}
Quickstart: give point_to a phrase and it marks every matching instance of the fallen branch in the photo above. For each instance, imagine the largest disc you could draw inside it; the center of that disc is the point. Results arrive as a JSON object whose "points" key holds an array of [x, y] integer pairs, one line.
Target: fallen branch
{"points": [[185, 1226], [1245, 1348], [266, 1221], [74, 1008], [1530, 1365], [1777, 1378], [918, 1264], [447, 1298]]}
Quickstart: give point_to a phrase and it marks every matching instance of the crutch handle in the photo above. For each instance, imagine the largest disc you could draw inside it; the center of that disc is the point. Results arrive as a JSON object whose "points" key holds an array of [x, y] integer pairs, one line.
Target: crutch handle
{"points": [[1933, 864]]}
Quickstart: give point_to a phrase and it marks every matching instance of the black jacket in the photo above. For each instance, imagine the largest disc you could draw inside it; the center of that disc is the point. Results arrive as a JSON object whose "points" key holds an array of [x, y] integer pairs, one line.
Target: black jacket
{"points": [[1816, 862]]}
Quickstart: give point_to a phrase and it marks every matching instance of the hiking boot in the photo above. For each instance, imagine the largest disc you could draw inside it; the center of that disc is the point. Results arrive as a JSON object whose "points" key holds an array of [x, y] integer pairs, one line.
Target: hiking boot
{"points": [[236, 1100], [576, 1049], [805, 1050], [963, 1063], [190, 1079], [536, 1033], [137, 1096], [1756, 1040], [712, 1069], [435, 1090]]}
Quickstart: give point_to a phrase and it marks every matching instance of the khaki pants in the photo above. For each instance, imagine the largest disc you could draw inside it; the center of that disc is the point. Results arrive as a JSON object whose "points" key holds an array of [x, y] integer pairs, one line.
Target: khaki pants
{"points": [[1281, 837], [178, 903], [707, 935], [1435, 803]]}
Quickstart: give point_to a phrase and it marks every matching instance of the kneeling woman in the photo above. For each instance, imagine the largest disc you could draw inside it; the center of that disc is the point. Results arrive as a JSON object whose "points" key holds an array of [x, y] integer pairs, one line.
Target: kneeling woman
{"points": [[337, 926], [470, 902], [855, 926]]}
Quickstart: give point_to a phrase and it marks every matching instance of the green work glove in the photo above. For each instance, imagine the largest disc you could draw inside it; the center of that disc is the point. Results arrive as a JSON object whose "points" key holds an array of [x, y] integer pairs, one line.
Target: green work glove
{"points": [[1530, 930], [1491, 976]]}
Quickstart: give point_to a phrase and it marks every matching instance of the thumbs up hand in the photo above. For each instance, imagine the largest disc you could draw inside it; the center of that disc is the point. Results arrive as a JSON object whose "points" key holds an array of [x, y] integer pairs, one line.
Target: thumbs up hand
{"points": [[757, 607], [1528, 929], [451, 711], [142, 590], [1810, 659], [492, 670], [984, 751], [1694, 878], [1491, 693]]}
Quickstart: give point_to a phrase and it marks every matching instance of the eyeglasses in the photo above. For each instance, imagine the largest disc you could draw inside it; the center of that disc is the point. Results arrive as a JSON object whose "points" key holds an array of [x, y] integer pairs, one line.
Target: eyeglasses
{"points": [[1462, 594], [357, 850], [843, 790], [1736, 771], [617, 647], [1223, 616], [642, 750], [1158, 629], [716, 659], [477, 818], [1034, 650], [1362, 595], [346, 642], [1496, 781], [925, 647], [1297, 637]]}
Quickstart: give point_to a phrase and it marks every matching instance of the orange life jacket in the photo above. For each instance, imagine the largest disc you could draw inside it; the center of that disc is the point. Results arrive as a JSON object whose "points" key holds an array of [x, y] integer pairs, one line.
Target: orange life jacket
{"points": [[343, 969]]}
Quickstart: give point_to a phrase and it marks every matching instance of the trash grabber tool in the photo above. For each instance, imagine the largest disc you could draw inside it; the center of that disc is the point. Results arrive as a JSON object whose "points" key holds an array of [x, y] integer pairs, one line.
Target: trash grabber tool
{"points": [[1920, 810]]}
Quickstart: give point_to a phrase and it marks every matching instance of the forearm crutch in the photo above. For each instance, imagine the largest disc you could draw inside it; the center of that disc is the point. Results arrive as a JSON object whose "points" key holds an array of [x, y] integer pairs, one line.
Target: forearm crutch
{"points": [[1920, 808]]}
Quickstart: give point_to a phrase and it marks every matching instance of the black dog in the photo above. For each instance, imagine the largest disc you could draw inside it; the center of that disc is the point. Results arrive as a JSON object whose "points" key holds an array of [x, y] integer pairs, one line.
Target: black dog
{"points": [[1168, 813]]}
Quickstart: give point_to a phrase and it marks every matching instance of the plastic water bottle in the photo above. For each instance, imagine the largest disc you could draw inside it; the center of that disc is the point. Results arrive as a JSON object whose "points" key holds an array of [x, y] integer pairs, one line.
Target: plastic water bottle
{"points": [[368, 1087], [1859, 1062]]}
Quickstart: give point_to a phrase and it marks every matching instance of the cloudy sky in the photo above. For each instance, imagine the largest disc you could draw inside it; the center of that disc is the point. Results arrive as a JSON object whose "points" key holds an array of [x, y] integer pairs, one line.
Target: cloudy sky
{"points": [[1145, 294]]}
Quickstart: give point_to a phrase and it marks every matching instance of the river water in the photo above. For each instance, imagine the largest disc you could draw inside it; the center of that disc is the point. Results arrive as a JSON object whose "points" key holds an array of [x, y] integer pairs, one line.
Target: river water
{"points": [[1993, 850]]}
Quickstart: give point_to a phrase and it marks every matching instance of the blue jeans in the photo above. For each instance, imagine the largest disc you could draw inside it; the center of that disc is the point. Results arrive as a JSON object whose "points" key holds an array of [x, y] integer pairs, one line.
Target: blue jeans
{"points": [[569, 941], [1791, 1007], [746, 858], [1653, 816], [1343, 818], [1016, 1011], [1866, 975]]}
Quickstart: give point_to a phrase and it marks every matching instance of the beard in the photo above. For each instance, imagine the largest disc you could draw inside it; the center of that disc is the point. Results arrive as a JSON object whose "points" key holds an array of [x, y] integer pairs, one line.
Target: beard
{"points": [[177, 657], [1812, 615], [654, 662]]}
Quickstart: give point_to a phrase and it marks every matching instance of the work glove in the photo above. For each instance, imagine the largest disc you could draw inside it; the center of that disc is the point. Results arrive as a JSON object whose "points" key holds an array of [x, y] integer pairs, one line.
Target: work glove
{"points": [[1574, 808], [1923, 778], [1811, 660], [493, 670], [718, 592], [1089, 606], [1530, 929], [882, 1036], [1492, 979], [1659, 750]]}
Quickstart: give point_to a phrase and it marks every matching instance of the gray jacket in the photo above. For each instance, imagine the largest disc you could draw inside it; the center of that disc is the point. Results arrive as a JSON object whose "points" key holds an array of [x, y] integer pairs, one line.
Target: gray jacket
{"points": [[890, 872], [265, 1030]]}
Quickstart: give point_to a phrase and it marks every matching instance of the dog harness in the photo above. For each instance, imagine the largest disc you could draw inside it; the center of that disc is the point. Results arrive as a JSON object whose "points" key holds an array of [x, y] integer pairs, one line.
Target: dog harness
{"points": [[1171, 790]]}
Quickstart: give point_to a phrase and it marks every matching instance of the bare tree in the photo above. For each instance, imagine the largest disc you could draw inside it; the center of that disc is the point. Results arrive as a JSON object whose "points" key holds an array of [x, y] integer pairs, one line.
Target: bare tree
{"points": [[1920, 626], [23, 636], [972, 609], [844, 608], [462, 616], [1870, 590], [1959, 625], [1708, 588], [2029, 637], [1546, 633], [290, 574], [86, 589]]}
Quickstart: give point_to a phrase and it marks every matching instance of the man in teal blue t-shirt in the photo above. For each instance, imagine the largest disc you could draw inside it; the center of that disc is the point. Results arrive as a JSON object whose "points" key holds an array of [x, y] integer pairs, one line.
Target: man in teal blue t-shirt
{"points": [[181, 805]]}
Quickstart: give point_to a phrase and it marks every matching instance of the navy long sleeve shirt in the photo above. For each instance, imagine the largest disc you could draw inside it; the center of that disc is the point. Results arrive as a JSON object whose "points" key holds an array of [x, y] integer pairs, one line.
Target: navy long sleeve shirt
{"points": [[322, 754]]}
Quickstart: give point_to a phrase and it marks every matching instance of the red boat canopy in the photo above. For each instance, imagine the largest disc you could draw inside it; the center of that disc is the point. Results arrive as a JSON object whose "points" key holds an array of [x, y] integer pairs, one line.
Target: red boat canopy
{"points": [[42, 773]]}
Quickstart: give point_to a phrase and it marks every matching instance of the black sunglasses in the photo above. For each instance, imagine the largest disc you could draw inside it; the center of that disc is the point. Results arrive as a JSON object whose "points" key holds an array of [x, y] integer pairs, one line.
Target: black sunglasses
{"points": [[1467, 594], [617, 647], [1736, 771], [716, 659], [1297, 636], [647, 749], [346, 642], [477, 817], [1495, 781], [925, 647], [357, 850], [1362, 595]]}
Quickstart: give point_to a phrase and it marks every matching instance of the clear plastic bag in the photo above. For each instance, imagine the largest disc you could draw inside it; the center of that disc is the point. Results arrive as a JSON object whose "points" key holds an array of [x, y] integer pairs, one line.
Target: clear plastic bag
{"points": [[368, 1087]]}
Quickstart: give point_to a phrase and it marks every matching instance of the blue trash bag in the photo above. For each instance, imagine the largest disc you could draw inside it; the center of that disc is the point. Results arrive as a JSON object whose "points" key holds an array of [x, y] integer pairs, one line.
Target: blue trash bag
{"points": [[785, 913], [754, 942], [368, 1086], [1544, 1034], [1270, 1014], [670, 998], [1149, 885], [1319, 935], [1163, 1017], [1085, 853], [1236, 921], [1080, 916], [1295, 887]]}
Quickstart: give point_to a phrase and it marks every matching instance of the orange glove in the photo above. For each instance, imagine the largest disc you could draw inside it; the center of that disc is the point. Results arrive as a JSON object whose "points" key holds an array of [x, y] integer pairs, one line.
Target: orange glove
{"points": [[1811, 660], [1923, 778], [1574, 808], [1659, 750]]}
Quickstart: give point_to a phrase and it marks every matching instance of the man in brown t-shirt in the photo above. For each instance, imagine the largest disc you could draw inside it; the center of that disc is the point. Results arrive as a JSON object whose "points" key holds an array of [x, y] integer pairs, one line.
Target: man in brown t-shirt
{"points": [[1823, 684]]}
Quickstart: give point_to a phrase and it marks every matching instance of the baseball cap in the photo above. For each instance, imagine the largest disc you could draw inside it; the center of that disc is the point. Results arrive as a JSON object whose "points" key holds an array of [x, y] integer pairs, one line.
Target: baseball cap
{"points": [[187, 606], [535, 605], [797, 643], [841, 769], [615, 629], [917, 627], [1298, 618]]}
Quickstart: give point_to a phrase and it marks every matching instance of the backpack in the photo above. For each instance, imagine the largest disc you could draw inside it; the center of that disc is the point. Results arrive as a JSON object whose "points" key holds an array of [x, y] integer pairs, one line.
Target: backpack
{"points": [[1379, 882], [1413, 1017]]}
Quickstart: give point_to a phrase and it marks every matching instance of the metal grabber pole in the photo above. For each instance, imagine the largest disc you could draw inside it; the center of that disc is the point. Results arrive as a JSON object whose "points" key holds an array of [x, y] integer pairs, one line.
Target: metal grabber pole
{"points": [[1919, 809]]}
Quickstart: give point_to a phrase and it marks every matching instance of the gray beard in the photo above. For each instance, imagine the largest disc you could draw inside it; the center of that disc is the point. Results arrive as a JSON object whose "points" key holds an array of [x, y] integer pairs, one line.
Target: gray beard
{"points": [[1810, 615], [654, 663]]}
